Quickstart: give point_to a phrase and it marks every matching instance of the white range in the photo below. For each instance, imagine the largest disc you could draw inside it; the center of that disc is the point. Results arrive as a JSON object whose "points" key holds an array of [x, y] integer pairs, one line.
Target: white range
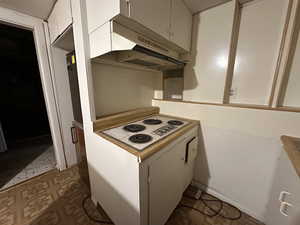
{"points": [[143, 133]]}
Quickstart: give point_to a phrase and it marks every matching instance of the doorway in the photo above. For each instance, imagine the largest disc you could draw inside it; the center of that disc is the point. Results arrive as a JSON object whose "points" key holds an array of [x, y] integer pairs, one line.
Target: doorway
{"points": [[26, 147]]}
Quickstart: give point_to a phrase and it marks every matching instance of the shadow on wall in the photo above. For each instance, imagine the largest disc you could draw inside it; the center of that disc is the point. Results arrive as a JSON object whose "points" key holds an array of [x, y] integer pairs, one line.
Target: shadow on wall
{"points": [[201, 167], [190, 77]]}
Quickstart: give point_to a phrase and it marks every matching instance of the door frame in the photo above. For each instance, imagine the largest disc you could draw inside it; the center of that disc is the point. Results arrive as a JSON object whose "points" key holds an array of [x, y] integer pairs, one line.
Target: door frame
{"points": [[34, 24]]}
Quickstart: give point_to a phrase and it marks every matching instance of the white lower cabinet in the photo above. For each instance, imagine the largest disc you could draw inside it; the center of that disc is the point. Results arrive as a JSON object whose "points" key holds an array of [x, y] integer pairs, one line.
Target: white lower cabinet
{"points": [[169, 175], [166, 184], [142, 192], [284, 204]]}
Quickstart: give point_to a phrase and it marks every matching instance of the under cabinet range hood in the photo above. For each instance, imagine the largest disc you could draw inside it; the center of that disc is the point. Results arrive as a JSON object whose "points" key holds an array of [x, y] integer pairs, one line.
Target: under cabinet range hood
{"points": [[129, 48]]}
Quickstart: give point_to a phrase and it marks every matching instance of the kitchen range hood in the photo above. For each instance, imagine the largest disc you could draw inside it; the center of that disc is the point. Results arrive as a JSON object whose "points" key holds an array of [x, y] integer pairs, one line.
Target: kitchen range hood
{"points": [[130, 48]]}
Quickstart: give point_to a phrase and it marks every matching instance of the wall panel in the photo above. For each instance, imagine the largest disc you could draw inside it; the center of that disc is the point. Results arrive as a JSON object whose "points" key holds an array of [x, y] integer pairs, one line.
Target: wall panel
{"points": [[205, 76], [260, 34]]}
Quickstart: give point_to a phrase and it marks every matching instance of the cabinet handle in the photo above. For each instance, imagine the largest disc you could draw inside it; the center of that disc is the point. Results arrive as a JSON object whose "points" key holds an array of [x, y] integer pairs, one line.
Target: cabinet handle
{"points": [[282, 195], [129, 7], [283, 207], [187, 149], [73, 134]]}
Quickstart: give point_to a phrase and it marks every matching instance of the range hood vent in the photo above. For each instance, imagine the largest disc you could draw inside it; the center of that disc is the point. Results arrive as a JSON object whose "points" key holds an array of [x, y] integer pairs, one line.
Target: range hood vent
{"points": [[142, 63]]}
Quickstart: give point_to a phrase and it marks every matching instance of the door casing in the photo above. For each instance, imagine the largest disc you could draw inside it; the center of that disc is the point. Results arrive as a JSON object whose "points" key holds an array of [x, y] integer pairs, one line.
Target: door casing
{"points": [[36, 25]]}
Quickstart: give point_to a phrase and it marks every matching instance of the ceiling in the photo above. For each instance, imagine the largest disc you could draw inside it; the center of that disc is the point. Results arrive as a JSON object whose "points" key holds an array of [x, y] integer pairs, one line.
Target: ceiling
{"points": [[36, 8], [199, 5], [42, 8]]}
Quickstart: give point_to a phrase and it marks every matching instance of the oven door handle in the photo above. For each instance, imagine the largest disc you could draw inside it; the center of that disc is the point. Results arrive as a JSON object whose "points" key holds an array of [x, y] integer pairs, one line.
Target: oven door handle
{"points": [[74, 135], [187, 150]]}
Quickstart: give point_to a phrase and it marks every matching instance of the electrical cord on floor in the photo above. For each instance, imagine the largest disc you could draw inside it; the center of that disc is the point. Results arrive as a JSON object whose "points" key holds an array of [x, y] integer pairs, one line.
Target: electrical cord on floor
{"points": [[89, 216], [215, 213], [205, 201]]}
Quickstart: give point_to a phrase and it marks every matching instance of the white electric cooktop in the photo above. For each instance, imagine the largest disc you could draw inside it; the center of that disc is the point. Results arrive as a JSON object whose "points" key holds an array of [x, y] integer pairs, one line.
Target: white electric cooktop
{"points": [[143, 133]]}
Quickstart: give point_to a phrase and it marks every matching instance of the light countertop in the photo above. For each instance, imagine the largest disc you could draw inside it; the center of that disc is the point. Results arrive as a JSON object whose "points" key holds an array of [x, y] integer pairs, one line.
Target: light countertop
{"points": [[292, 146], [134, 115]]}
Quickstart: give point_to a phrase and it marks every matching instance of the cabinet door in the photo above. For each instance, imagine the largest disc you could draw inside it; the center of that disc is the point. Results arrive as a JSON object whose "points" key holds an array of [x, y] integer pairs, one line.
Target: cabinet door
{"points": [[154, 14], [166, 184], [191, 154], [53, 25], [64, 15], [181, 24], [60, 19], [286, 186]]}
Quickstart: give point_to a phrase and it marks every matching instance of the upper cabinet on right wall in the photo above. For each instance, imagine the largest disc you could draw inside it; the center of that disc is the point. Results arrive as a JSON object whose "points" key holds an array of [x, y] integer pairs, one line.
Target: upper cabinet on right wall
{"points": [[169, 19]]}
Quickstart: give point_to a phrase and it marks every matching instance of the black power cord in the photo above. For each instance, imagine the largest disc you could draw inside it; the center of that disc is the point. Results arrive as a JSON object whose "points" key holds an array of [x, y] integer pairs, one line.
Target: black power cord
{"points": [[89, 216], [215, 213], [205, 201]]}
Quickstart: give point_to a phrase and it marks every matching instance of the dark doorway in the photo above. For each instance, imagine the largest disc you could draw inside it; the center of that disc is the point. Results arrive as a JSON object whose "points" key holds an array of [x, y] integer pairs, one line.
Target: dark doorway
{"points": [[23, 114]]}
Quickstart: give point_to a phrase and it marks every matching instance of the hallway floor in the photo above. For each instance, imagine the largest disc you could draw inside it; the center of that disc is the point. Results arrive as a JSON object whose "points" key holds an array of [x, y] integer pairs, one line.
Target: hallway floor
{"points": [[26, 160], [55, 198]]}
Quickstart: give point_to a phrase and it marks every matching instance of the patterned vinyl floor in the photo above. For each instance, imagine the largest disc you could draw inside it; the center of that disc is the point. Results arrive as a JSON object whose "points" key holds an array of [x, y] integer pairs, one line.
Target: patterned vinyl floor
{"points": [[55, 198]]}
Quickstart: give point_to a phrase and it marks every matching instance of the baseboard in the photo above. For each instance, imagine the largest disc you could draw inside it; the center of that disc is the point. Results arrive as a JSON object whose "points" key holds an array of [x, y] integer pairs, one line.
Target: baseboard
{"points": [[213, 192], [94, 200]]}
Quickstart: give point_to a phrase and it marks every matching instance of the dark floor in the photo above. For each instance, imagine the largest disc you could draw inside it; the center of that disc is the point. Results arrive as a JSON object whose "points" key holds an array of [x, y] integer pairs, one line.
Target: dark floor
{"points": [[55, 198], [26, 159]]}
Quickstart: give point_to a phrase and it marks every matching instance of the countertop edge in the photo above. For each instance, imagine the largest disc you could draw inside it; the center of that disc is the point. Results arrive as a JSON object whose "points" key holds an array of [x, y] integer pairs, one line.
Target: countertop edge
{"points": [[118, 119], [151, 150], [289, 145]]}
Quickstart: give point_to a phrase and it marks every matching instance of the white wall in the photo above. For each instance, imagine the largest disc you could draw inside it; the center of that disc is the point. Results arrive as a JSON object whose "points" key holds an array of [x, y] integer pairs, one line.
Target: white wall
{"points": [[118, 89], [240, 149]]}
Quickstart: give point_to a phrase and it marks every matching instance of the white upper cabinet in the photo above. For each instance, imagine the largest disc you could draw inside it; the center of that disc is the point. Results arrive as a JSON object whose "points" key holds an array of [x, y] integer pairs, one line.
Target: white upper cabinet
{"points": [[60, 19], [181, 25], [169, 19], [101, 11], [154, 14]]}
